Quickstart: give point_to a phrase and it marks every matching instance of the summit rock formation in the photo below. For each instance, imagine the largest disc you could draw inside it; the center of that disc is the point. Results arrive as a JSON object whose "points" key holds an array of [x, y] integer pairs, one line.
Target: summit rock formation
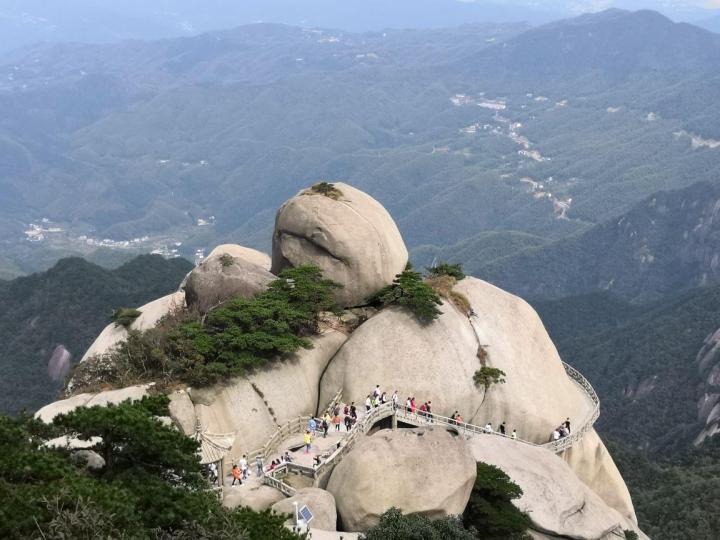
{"points": [[576, 492]]}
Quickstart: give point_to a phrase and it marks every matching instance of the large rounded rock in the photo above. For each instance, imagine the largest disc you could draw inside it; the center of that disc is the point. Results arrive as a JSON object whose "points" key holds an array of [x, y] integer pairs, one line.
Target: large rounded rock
{"points": [[351, 237], [150, 315], [320, 502], [221, 277], [241, 252], [253, 407], [134, 393], [555, 499], [431, 362], [425, 471]]}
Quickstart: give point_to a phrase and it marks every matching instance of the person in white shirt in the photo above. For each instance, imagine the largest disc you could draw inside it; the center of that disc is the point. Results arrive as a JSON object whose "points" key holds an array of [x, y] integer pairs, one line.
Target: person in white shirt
{"points": [[555, 435], [368, 403], [244, 466], [488, 428], [514, 434], [377, 392], [395, 399]]}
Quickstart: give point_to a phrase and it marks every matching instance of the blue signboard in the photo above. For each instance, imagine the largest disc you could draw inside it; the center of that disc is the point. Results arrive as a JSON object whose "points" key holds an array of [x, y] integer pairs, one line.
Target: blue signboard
{"points": [[306, 514]]}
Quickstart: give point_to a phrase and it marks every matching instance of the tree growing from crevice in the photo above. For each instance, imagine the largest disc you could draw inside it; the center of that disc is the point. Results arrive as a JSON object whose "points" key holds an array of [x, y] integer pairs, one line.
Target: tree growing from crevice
{"points": [[487, 376], [408, 290]]}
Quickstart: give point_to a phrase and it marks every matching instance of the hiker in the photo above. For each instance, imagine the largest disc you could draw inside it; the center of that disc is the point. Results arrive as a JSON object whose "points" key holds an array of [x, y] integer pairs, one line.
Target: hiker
{"points": [[368, 403], [502, 428], [316, 461], [428, 408], [567, 424], [348, 423], [555, 435], [395, 399], [353, 410], [259, 466], [213, 473], [376, 392], [458, 418], [408, 405], [383, 399], [307, 439], [514, 435], [336, 410], [272, 466], [244, 467], [312, 425], [236, 475], [336, 422], [488, 428], [423, 409], [287, 457], [325, 427], [346, 410], [413, 405]]}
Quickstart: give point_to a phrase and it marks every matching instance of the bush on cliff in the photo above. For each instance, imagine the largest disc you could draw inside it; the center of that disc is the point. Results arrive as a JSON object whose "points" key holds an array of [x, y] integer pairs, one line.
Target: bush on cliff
{"points": [[152, 485], [447, 269], [396, 526], [231, 340], [409, 291]]}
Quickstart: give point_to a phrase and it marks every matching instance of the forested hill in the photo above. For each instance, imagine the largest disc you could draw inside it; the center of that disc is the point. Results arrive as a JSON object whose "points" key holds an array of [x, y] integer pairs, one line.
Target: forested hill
{"points": [[187, 143], [667, 243], [67, 305]]}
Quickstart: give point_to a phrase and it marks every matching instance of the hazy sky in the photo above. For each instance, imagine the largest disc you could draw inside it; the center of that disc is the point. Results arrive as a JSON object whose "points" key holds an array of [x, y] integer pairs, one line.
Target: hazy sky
{"points": [[26, 21]]}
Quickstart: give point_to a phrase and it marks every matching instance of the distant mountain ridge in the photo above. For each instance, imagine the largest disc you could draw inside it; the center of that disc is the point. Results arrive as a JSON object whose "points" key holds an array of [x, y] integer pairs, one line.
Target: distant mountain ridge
{"points": [[668, 243]]}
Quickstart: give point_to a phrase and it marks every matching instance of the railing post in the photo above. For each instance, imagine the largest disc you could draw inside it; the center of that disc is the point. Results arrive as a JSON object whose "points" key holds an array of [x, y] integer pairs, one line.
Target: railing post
{"points": [[394, 418]]}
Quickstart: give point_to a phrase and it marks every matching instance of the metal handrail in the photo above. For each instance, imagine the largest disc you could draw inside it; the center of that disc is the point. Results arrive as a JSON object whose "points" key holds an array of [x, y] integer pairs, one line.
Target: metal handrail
{"points": [[420, 418]]}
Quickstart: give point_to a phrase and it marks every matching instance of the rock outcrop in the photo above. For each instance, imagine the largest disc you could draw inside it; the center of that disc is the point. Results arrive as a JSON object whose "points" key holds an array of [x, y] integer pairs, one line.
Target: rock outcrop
{"points": [[554, 498], [221, 277], [708, 361], [592, 464], [351, 237], [151, 313], [423, 471], [64, 406], [321, 502]]}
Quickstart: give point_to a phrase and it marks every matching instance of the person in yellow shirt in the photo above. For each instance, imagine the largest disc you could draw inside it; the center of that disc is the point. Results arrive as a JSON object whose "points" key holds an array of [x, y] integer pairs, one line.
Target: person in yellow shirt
{"points": [[307, 439]]}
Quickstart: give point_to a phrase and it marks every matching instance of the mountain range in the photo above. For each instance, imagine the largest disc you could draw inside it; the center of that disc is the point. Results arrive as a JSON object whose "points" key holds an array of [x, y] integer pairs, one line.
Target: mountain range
{"points": [[175, 145]]}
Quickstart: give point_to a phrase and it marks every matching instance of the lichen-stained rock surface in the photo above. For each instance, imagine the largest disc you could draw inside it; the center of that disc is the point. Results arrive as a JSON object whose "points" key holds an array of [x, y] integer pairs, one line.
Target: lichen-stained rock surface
{"points": [[350, 236], [222, 277], [420, 471]]}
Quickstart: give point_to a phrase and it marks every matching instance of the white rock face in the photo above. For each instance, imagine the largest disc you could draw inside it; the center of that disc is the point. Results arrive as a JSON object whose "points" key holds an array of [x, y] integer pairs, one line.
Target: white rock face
{"points": [[250, 255], [555, 499], [320, 502], [254, 407], [64, 406], [353, 239], [434, 362], [182, 412], [151, 313], [424, 471], [593, 464], [221, 277]]}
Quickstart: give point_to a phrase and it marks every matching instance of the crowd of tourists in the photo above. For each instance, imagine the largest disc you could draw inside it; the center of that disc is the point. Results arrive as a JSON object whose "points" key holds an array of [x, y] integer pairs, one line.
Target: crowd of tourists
{"points": [[562, 431]]}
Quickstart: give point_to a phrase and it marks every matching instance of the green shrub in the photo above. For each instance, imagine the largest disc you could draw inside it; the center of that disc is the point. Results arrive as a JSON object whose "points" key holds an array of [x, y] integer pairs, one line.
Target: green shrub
{"points": [[396, 526], [226, 260], [630, 535], [410, 291], [490, 509], [241, 335], [327, 189], [125, 316], [486, 376], [152, 485], [447, 269]]}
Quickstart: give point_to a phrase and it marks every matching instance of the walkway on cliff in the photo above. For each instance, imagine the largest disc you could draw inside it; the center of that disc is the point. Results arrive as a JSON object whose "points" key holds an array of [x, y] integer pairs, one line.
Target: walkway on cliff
{"points": [[334, 448]]}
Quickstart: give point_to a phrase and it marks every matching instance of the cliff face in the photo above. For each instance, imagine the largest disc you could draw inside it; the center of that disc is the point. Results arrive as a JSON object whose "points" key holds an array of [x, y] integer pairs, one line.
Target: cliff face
{"points": [[708, 362], [433, 362]]}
